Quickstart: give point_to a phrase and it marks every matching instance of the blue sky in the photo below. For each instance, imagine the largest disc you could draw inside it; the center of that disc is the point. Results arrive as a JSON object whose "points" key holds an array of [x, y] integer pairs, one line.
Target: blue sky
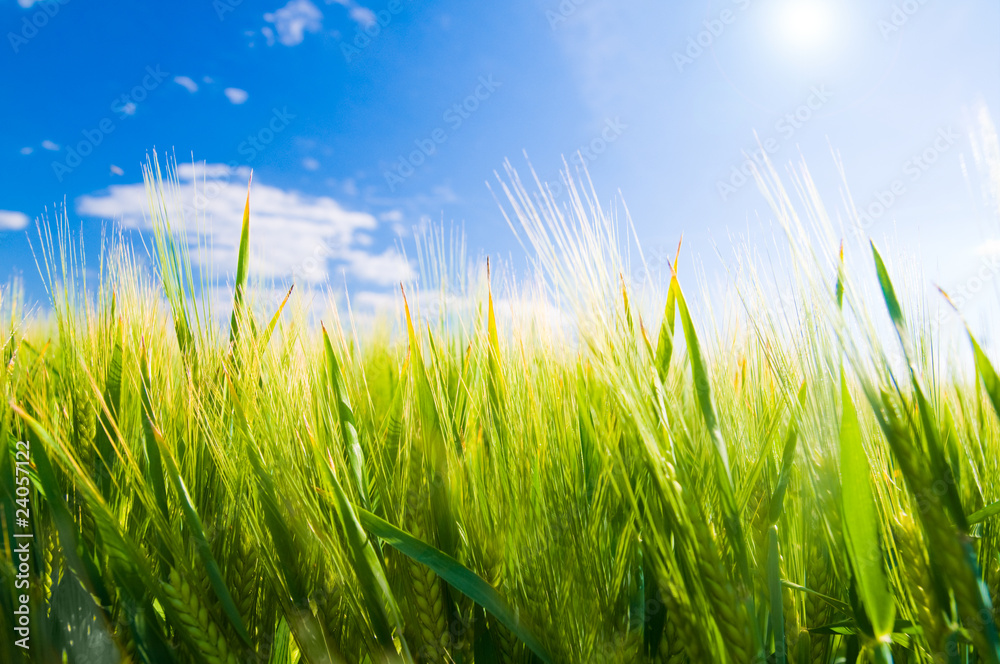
{"points": [[335, 106]]}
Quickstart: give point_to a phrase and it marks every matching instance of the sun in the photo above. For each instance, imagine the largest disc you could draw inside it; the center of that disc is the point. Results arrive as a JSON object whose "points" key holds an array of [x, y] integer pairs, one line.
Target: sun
{"points": [[807, 25]]}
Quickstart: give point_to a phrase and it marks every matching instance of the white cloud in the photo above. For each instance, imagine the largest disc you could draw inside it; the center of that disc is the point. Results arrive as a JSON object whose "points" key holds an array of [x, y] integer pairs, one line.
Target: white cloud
{"points": [[187, 83], [189, 171], [378, 302], [236, 95], [298, 17], [27, 150], [116, 170], [395, 216], [12, 221], [295, 19], [359, 14], [49, 145], [291, 233], [384, 269], [989, 248], [310, 164], [362, 15]]}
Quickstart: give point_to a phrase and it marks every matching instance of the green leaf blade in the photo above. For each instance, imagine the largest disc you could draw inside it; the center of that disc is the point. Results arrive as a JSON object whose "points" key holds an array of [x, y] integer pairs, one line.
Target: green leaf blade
{"points": [[459, 577], [861, 521]]}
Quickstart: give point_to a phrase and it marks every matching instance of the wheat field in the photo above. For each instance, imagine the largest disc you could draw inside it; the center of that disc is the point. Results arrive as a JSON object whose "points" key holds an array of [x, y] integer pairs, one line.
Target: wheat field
{"points": [[589, 469]]}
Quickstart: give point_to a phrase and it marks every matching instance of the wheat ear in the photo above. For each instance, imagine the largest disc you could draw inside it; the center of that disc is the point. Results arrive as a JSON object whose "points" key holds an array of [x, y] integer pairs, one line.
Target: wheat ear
{"points": [[195, 622], [426, 586]]}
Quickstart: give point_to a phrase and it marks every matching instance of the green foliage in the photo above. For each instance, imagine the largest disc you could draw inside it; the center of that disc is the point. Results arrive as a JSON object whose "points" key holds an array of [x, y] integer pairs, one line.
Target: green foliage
{"points": [[488, 487], [861, 520]]}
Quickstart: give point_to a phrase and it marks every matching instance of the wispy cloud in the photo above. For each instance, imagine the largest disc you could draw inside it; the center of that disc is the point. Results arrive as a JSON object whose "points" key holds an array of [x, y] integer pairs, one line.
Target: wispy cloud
{"points": [[293, 235], [27, 150], [186, 82], [49, 145], [12, 221], [360, 14], [295, 19], [606, 61], [236, 95], [298, 17]]}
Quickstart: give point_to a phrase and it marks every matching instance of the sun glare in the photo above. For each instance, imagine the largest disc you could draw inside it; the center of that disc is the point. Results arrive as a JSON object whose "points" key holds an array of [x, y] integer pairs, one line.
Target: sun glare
{"points": [[807, 24]]}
